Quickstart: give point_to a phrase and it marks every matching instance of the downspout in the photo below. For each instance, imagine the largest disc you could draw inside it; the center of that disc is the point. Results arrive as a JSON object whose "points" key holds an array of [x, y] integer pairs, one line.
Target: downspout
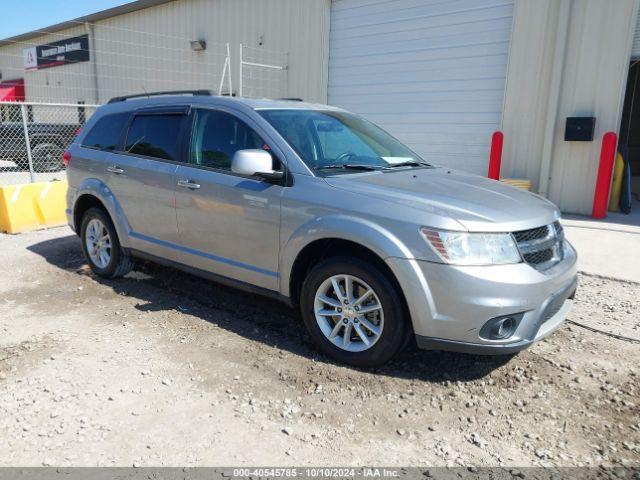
{"points": [[564, 16], [94, 65]]}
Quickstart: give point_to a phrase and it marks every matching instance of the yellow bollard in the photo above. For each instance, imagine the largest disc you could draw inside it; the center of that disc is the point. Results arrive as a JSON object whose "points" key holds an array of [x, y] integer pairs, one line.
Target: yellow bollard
{"points": [[616, 184]]}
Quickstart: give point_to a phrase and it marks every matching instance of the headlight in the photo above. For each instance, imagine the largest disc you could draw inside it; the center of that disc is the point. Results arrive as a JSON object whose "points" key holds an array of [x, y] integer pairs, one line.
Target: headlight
{"points": [[460, 248]]}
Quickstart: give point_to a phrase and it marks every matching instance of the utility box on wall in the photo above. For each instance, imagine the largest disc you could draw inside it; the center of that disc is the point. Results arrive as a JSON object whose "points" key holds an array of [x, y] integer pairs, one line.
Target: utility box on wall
{"points": [[579, 129]]}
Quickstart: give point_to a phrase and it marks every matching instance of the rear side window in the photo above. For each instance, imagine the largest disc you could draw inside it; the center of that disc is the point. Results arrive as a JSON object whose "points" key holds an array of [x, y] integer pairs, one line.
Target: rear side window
{"points": [[156, 135], [106, 132]]}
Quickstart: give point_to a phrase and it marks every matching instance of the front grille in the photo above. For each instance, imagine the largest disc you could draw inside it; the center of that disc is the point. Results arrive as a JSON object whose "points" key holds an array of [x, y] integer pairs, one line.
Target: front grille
{"points": [[541, 247], [533, 234], [537, 258]]}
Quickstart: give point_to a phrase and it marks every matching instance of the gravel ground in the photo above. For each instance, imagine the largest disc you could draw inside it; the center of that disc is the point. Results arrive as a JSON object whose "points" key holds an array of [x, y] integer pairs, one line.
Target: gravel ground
{"points": [[162, 368]]}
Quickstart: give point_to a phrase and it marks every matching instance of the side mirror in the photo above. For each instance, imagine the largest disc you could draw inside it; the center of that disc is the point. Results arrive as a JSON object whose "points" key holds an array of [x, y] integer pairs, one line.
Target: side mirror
{"points": [[256, 163]]}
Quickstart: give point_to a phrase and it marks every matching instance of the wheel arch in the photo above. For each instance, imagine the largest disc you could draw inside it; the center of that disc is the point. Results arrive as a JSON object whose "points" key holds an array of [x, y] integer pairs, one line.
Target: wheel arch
{"points": [[93, 192], [320, 231], [83, 203]]}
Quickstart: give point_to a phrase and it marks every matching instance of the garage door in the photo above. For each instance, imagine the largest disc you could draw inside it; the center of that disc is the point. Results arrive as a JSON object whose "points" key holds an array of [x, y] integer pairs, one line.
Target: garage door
{"points": [[431, 72], [635, 48]]}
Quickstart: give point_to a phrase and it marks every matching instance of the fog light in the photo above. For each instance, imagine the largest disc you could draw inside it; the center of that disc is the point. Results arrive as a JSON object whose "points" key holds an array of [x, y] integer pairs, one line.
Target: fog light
{"points": [[500, 328], [504, 328]]}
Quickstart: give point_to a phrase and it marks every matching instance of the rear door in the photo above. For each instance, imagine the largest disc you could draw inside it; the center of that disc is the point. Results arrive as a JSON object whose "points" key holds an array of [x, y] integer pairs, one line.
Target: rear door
{"points": [[142, 177], [228, 224]]}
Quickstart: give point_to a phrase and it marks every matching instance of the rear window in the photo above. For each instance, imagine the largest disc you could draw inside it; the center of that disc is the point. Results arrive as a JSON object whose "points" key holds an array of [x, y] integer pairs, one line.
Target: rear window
{"points": [[155, 136], [106, 132]]}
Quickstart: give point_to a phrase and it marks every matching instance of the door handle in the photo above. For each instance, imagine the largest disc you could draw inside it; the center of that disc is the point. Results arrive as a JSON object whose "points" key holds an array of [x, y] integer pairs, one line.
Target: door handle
{"points": [[115, 169], [188, 184]]}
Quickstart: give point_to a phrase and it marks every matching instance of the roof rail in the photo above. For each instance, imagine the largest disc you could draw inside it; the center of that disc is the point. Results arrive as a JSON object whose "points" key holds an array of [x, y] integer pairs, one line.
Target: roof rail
{"points": [[290, 99], [123, 98]]}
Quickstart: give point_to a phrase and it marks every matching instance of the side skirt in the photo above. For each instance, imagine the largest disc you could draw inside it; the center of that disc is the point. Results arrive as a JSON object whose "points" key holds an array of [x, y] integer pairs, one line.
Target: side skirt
{"points": [[229, 282]]}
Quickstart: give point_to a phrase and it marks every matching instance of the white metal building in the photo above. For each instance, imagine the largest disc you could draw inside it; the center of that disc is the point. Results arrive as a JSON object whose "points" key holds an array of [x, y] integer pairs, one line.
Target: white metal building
{"points": [[441, 75]]}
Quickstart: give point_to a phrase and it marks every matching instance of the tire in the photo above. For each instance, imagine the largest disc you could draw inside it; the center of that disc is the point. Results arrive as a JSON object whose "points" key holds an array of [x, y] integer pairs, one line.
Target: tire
{"points": [[47, 157], [364, 276], [117, 262]]}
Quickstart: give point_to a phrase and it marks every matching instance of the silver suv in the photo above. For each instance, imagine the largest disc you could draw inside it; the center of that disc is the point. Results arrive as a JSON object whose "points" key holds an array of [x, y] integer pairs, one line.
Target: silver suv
{"points": [[322, 209]]}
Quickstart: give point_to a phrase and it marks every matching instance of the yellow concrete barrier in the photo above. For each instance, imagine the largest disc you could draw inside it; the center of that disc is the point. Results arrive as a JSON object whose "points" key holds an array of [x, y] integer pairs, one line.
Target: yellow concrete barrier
{"points": [[32, 206]]}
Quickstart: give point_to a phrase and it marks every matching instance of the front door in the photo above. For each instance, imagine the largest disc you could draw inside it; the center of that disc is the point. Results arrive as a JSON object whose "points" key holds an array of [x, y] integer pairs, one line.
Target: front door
{"points": [[227, 224]]}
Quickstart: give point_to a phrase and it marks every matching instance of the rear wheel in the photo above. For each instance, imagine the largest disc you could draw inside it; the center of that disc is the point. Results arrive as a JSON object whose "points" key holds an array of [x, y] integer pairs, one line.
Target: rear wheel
{"points": [[353, 312], [101, 245]]}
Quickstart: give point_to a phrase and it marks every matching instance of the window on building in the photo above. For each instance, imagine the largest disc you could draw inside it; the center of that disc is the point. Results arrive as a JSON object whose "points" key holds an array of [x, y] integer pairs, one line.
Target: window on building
{"points": [[155, 136], [217, 136], [106, 133]]}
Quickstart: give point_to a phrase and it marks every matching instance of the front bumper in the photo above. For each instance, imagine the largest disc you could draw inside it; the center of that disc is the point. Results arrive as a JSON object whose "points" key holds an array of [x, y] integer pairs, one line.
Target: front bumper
{"points": [[450, 304]]}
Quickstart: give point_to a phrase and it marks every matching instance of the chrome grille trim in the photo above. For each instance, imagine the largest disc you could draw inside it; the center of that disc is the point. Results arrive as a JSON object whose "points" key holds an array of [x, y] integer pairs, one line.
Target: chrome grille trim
{"points": [[541, 247]]}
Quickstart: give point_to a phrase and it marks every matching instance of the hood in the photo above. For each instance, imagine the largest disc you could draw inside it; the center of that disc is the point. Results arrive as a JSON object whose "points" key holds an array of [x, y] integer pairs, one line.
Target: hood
{"points": [[477, 203]]}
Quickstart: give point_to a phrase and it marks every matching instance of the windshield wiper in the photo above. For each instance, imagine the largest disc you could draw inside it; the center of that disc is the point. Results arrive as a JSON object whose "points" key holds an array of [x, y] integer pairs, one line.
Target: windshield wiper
{"points": [[411, 163], [349, 166]]}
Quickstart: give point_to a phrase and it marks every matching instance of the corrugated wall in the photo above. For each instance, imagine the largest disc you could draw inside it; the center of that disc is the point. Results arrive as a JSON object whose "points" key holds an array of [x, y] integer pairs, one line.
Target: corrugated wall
{"points": [[149, 49], [591, 75], [593, 84]]}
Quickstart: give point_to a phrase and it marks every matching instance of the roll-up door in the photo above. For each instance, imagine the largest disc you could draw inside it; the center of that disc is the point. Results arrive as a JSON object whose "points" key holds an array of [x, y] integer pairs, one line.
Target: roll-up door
{"points": [[430, 72]]}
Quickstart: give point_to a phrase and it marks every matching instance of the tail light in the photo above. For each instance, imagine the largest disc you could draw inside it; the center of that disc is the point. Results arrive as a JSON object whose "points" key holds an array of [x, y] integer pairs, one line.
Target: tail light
{"points": [[66, 158]]}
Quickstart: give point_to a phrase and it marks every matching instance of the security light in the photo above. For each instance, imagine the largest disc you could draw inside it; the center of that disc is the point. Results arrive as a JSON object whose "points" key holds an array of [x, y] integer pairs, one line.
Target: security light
{"points": [[198, 45]]}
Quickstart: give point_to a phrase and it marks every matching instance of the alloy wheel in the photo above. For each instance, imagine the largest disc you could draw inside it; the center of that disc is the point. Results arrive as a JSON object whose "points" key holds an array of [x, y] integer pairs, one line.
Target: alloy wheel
{"points": [[98, 243], [349, 313]]}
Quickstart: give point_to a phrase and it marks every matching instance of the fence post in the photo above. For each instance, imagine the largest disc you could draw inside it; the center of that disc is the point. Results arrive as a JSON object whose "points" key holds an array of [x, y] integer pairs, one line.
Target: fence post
{"points": [[27, 142], [240, 77]]}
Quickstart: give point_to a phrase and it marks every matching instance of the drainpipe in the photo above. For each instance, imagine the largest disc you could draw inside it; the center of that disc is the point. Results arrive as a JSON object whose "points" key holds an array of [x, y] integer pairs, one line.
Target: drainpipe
{"points": [[564, 15], [94, 65]]}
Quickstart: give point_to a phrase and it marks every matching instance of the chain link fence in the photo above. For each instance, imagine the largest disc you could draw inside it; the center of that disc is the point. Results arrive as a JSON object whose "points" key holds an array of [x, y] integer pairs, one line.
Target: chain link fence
{"points": [[33, 138]]}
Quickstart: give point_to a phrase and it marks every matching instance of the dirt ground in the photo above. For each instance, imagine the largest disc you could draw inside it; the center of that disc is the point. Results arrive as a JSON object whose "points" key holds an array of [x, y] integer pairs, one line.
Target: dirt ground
{"points": [[162, 368]]}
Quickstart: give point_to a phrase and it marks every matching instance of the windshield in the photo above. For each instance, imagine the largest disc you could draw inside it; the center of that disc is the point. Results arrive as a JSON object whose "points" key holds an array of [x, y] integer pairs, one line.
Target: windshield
{"points": [[339, 142]]}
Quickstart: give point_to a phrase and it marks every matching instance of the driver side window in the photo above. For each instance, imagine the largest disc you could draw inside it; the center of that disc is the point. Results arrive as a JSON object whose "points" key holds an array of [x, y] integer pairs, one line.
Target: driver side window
{"points": [[216, 137]]}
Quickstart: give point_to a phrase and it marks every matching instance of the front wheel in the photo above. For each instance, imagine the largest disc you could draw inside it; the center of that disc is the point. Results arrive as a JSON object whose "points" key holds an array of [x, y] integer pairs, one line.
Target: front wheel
{"points": [[353, 312]]}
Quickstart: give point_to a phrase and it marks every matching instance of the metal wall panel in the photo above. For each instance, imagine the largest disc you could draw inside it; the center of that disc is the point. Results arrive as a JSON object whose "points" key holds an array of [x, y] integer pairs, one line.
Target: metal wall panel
{"points": [[527, 94], [431, 72], [593, 84], [149, 49], [298, 27]]}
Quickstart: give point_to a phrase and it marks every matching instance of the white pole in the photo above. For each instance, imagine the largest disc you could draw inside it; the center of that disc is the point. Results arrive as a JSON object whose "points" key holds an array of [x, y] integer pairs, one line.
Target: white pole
{"points": [[26, 141], [240, 77], [229, 70], [224, 72]]}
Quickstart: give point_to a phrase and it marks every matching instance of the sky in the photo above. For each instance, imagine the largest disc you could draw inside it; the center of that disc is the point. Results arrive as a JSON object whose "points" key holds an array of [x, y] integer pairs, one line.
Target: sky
{"points": [[26, 15]]}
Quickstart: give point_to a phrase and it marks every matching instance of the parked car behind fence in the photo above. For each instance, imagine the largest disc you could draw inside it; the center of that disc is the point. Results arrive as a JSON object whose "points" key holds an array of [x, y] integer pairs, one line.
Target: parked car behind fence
{"points": [[33, 137]]}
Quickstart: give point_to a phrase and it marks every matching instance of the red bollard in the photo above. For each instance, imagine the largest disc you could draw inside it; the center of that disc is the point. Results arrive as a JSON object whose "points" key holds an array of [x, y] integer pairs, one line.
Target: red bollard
{"points": [[495, 155], [605, 170]]}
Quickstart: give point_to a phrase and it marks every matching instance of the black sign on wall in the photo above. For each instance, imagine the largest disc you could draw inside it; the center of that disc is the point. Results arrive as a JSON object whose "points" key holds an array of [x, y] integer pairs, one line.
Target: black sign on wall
{"points": [[60, 52]]}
